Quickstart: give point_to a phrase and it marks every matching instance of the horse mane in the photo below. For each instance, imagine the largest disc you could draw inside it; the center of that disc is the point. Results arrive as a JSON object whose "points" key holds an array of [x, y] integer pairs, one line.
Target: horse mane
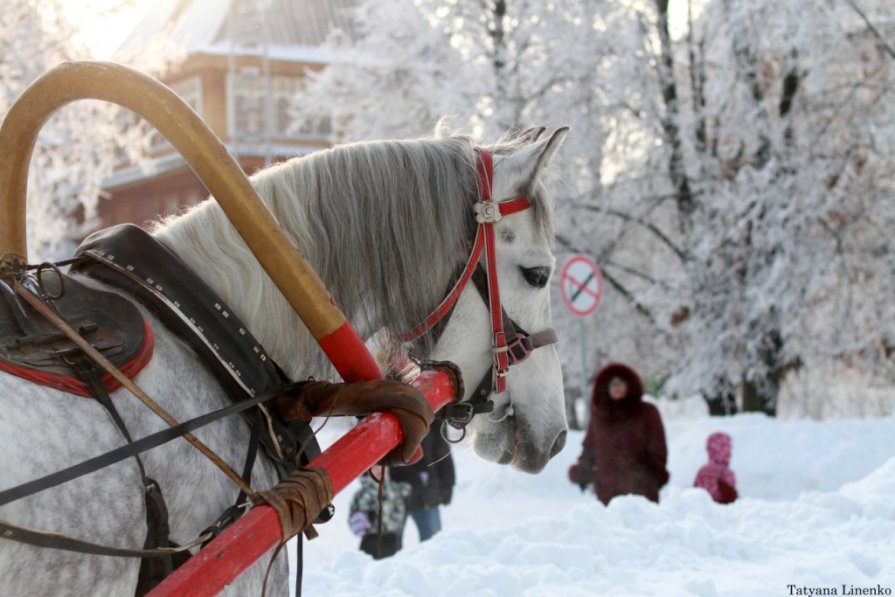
{"points": [[384, 223]]}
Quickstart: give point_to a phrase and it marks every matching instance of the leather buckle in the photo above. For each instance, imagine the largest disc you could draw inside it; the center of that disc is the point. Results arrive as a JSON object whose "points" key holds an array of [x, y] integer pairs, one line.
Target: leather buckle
{"points": [[520, 348], [459, 414]]}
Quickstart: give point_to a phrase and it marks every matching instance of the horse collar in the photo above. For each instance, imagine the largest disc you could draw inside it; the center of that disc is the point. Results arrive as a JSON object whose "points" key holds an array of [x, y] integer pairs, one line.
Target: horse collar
{"points": [[487, 213]]}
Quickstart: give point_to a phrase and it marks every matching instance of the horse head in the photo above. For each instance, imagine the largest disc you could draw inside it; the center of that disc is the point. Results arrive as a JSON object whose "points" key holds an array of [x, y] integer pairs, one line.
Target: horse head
{"points": [[527, 425]]}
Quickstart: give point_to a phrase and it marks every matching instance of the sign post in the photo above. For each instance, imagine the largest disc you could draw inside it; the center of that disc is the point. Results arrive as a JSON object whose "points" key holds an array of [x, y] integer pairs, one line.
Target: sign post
{"points": [[581, 287]]}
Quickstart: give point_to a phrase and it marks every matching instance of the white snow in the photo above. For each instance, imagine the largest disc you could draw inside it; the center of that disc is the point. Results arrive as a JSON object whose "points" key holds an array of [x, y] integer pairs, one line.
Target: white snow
{"points": [[816, 511]]}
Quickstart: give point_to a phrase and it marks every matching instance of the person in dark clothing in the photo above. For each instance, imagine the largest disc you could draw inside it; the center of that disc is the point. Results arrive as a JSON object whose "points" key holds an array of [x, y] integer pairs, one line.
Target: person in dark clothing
{"points": [[624, 449], [431, 481]]}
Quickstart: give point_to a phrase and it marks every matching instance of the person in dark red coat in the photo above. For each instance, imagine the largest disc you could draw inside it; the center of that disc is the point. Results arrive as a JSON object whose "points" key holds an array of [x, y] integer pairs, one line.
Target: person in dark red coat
{"points": [[624, 449]]}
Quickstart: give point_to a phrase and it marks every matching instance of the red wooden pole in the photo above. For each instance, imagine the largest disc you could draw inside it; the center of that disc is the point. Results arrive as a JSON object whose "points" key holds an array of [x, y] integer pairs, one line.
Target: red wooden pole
{"points": [[238, 547]]}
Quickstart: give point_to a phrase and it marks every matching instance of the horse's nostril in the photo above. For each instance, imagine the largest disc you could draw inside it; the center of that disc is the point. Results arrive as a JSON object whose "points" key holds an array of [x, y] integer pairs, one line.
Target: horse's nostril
{"points": [[558, 444]]}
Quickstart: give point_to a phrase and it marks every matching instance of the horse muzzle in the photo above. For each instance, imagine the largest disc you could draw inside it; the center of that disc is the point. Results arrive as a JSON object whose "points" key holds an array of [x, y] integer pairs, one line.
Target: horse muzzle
{"points": [[510, 440]]}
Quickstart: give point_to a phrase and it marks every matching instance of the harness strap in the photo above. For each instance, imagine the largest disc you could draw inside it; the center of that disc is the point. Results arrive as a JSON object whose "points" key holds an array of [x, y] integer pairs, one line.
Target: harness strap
{"points": [[446, 307], [152, 570], [132, 261], [57, 541], [172, 556], [519, 346], [487, 213], [156, 544], [141, 445], [239, 507], [34, 300]]}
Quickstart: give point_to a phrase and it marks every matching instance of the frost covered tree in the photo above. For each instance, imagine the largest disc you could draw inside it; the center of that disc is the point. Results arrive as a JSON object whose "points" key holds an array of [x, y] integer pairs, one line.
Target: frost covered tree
{"points": [[767, 134], [77, 148], [733, 179], [491, 66]]}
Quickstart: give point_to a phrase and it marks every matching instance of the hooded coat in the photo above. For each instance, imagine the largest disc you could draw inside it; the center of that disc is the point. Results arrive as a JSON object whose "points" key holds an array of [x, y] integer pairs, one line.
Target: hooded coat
{"points": [[624, 450], [716, 476], [432, 477]]}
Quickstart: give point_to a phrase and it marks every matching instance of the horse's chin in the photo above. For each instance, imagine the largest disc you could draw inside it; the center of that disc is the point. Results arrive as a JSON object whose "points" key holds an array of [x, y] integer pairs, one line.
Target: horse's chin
{"points": [[500, 442]]}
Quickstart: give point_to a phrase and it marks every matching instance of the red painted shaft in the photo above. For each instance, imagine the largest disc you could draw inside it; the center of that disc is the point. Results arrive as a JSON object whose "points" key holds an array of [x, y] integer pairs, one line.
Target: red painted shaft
{"points": [[349, 355], [237, 548]]}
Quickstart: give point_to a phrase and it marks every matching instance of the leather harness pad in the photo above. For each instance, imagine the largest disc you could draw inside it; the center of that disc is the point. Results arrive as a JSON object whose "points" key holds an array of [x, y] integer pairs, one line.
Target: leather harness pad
{"points": [[33, 348], [129, 258]]}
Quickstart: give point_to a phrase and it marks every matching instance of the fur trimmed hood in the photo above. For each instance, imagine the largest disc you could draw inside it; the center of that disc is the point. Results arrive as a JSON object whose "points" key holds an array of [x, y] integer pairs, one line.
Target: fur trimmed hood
{"points": [[600, 400]]}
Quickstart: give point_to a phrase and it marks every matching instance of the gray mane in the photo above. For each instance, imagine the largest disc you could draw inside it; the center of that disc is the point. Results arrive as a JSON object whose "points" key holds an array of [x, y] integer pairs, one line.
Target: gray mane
{"points": [[384, 223]]}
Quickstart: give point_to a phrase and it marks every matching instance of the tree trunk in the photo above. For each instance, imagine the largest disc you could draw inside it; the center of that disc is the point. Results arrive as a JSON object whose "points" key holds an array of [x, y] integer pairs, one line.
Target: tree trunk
{"points": [[722, 400], [686, 202], [756, 400], [572, 398], [762, 395]]}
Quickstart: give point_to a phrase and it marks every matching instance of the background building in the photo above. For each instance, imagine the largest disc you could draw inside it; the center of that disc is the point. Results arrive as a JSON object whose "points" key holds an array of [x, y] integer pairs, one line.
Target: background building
{"points": [[244, 62]]}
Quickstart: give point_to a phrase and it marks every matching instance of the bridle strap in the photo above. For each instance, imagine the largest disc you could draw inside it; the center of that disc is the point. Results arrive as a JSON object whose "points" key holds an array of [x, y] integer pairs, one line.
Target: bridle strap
{"points": [[510, 344], [498, 334], [508, 207], [484, 173], [487, 213], [447, 305], [519, 343]]}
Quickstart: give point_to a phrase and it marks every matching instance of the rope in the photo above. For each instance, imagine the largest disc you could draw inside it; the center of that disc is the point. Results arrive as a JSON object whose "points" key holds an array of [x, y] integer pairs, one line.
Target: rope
{"points": [[298, 500]]}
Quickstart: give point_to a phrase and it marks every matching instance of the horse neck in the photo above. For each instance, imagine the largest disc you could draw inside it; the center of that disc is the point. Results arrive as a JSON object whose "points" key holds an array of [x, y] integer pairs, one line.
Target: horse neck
{"points": [[205, 240], [382, 272]]}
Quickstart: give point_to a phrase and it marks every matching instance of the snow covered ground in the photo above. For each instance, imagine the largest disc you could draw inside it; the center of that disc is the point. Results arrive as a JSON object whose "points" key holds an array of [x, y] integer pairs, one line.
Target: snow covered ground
{"points": [[817, 511]]}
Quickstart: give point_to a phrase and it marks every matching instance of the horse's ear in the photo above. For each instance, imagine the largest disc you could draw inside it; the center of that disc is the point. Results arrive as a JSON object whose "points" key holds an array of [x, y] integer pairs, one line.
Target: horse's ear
{"points": [[531, 134], [524, 165]]}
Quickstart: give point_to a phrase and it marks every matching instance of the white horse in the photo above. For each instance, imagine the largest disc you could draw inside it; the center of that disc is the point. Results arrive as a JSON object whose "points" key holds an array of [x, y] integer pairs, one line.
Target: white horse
{"points": [[386, 225]]}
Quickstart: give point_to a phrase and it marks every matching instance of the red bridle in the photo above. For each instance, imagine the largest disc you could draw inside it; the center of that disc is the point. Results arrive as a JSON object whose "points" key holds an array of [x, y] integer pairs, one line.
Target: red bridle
{"points": [[521, 344]]}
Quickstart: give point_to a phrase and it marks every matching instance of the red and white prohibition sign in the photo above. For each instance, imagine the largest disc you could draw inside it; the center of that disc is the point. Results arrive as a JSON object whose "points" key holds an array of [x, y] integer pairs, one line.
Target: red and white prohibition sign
{"points": [[581, 285]]}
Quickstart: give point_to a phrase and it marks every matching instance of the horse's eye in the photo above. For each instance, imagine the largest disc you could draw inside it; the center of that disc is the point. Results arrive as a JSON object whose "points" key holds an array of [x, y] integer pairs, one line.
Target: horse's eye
{"points": [[536, 276]]}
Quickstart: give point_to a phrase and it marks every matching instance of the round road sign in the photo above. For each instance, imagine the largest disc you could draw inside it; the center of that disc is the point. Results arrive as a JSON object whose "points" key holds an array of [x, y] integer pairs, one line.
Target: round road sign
{"points": [[581, 285]]}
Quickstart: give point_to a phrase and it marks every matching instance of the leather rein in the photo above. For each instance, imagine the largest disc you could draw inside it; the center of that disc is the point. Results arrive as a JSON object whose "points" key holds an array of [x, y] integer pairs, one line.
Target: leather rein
{"points": [[510, 343]]}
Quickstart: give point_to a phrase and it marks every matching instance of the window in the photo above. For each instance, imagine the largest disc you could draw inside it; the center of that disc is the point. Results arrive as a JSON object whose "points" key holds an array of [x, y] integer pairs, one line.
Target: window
{"points": [[248, 110], [285, 90], [246, 106]]}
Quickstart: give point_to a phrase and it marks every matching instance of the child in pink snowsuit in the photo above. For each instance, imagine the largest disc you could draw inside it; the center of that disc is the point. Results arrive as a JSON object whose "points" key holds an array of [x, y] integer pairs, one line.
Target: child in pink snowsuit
{"points": [[716, 476]]}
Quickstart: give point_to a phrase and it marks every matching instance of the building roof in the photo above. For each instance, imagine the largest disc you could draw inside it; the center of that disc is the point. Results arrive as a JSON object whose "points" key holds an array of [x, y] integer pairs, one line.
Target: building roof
{"points": [[289, 29]]}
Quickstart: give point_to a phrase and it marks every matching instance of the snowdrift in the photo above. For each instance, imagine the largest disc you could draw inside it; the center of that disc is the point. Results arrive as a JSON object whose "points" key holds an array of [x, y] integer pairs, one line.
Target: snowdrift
{"points": [[817, 510]]}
